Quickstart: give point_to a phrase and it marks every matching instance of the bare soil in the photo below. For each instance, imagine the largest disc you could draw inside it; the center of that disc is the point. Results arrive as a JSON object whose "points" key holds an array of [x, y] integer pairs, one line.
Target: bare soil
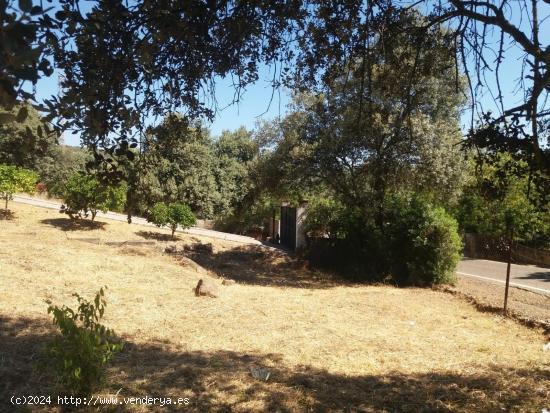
{"points": [[526, 306]]}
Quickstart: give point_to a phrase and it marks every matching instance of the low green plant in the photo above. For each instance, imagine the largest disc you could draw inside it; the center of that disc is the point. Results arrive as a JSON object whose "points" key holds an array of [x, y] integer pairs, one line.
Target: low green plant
{"points": [[81, 352], [423, 242], [84, 195], [14, 179], [172, 215]]}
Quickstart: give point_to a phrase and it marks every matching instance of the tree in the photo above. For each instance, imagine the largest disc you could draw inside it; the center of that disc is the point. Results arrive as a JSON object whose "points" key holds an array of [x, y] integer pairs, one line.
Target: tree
{"points": [[501, 193], [172, 215], [13, 180], [22, 53], [24, 143], [179, 165], [59, 164], [389, 122], [497, 29], [84, 194], [237, 154]]}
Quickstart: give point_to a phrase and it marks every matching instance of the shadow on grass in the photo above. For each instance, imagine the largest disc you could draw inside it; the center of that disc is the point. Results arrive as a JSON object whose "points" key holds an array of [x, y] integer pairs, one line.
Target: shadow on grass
{"points": [[67, 224], [221, 381], [6, 215], [260, 265], [158, 236]]}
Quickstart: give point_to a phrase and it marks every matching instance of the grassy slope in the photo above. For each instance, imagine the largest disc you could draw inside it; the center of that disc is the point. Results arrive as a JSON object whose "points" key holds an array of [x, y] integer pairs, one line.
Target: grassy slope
{"points": [[330, 346]]}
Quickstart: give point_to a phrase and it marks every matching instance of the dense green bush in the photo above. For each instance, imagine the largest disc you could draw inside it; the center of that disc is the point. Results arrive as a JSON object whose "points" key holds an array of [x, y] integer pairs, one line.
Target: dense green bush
{"points": [[14, 179], [172, 215], [79, 355], [325, 218], [416, 244], [423, 243], [84, 195]]}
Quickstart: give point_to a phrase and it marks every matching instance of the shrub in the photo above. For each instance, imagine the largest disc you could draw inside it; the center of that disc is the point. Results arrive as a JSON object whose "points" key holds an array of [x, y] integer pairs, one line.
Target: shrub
{"points": [[325, 218], [423, 243], [13, 180], [84, 195], [41, 188], [79, 355], [172, 215]]}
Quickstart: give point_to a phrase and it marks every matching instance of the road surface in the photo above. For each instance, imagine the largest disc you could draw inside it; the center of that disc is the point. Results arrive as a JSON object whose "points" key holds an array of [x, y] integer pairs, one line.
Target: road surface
{"points": [[141, 221], [529, 277]]}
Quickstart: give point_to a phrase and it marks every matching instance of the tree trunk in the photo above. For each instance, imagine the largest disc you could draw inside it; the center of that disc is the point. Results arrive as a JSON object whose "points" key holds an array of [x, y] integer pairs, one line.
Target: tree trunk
{"points": [[7, 197], [173, 231]]}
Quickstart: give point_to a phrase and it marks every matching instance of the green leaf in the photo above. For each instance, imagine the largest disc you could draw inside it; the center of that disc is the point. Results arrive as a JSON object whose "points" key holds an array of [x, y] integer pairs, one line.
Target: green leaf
{"points": [[6, 118], [22, 114], [25, 5]]}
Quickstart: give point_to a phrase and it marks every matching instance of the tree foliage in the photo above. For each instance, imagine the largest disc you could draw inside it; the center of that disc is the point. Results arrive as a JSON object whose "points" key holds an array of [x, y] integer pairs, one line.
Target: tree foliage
{"points": [[14, 180], [172, 215], [501, 195], [24, 143], [85, 195]]}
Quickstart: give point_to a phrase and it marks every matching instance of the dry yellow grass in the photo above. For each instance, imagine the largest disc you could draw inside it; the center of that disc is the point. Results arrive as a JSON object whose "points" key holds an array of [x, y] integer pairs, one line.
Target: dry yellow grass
{"points": [[330, 346]]}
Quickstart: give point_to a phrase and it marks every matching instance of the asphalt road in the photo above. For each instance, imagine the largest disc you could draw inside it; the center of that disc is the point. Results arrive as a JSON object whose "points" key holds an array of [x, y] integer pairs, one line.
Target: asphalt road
{"points": [[529, 277], [141, 221]]}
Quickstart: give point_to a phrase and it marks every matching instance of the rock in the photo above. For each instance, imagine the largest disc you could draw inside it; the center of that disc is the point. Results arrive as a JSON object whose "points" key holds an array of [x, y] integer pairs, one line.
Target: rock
{"points": [[206, 288], [189, 263], [228, 281]]}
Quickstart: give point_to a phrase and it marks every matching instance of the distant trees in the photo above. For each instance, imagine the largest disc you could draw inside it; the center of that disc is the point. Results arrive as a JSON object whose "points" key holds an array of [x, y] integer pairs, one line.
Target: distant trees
{"points": [[14, 180], [172, 215], [26, 142], [33, 145], [85, 195], [503, 193], [181, 162]]}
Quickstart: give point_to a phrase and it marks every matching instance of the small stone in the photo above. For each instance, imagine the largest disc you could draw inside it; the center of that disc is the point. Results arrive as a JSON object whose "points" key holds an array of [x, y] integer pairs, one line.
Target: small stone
{"points": [[228, 281]]}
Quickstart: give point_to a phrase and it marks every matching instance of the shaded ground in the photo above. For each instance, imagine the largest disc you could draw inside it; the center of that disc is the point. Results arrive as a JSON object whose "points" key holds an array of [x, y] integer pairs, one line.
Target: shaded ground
{"points": [[329, 347], [261, 265], [157, 236], [6, 214], [67, 224], [221, 381]]}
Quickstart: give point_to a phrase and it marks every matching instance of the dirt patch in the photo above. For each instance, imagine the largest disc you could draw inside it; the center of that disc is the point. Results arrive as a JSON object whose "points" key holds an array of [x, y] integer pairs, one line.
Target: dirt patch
{"points": [[526, 306]]}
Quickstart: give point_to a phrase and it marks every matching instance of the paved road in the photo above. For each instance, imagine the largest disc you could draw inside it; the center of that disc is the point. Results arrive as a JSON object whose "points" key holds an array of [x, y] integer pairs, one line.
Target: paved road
{"points": [[528, 277], [141, 221]]}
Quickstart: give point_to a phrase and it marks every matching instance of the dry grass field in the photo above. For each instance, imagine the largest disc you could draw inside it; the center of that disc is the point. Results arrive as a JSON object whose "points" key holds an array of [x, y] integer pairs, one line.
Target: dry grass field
{"points": [[330, 346]]}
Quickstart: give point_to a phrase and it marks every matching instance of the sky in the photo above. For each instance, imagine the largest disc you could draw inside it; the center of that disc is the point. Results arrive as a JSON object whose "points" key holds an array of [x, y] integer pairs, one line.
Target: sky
{"points": [[255, 104]]}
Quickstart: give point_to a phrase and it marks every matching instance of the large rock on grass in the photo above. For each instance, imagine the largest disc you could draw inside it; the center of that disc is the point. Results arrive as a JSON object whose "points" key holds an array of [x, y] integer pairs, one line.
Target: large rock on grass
{"points": [[206, 288]]}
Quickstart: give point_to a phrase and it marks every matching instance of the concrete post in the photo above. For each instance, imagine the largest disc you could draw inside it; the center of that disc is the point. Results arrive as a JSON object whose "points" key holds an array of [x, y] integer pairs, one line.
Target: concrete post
{"points": [[301, 213]]}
